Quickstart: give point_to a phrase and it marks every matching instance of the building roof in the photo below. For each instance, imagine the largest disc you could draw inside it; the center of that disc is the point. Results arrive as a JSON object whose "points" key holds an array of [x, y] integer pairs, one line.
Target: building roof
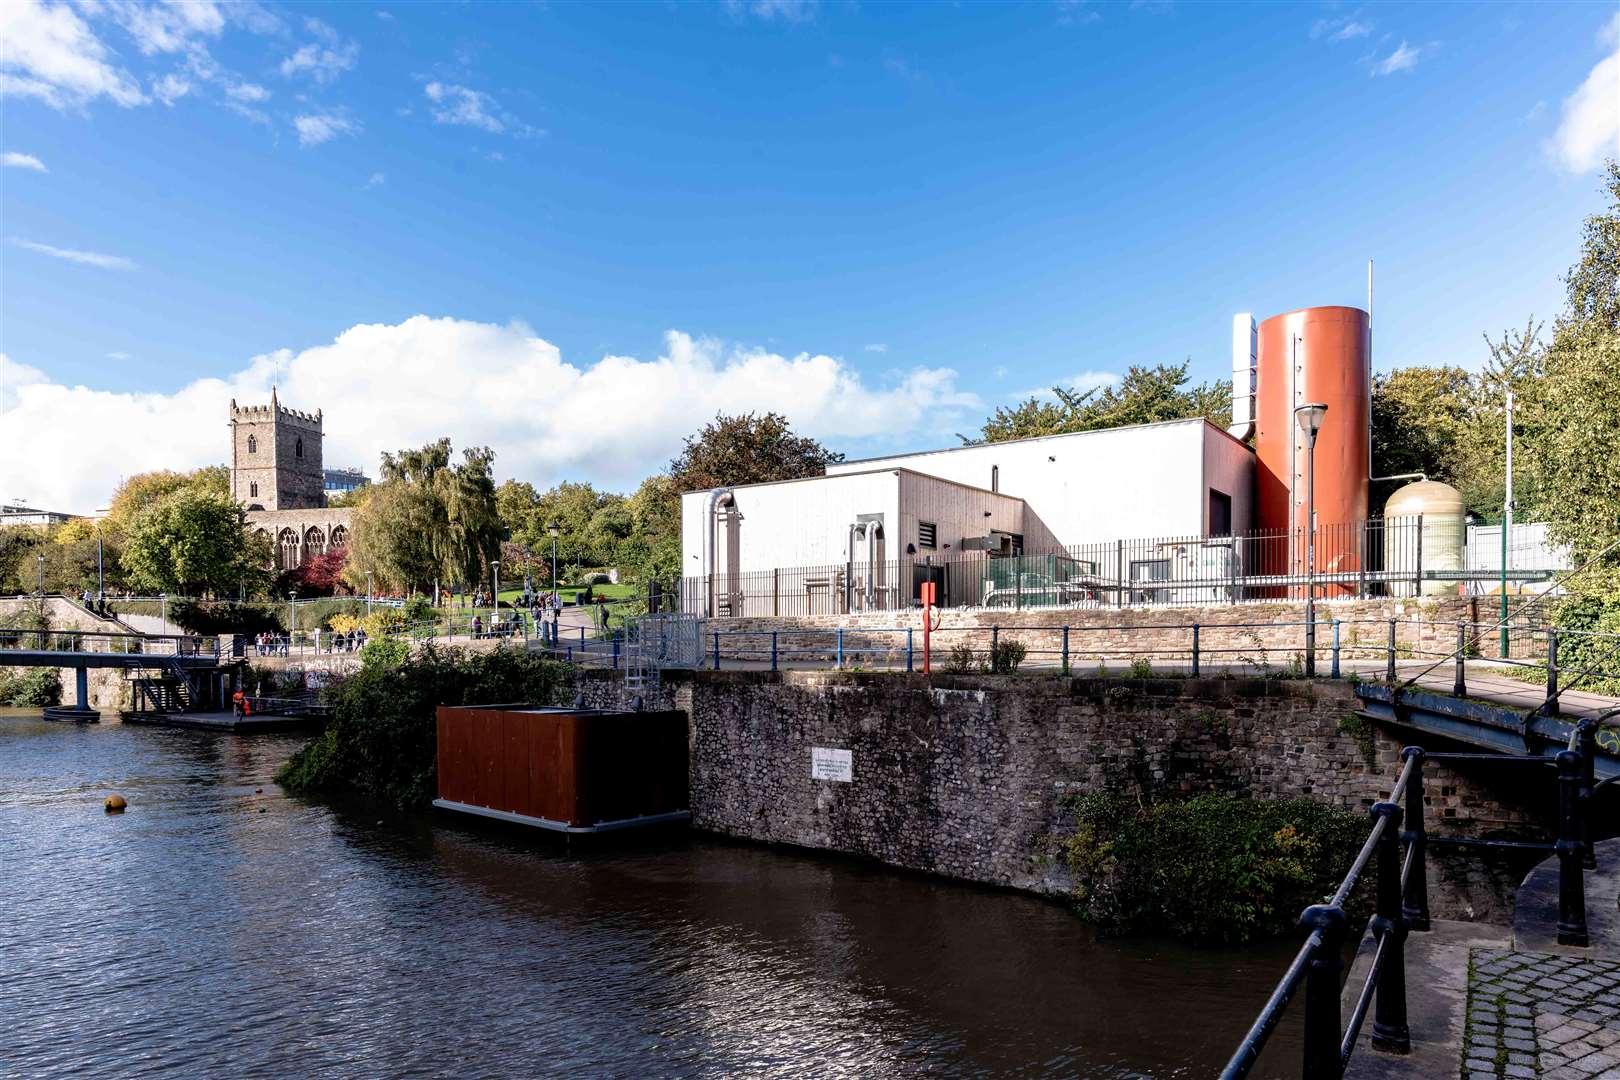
{"points": [[863, 472], [1041, 438]]}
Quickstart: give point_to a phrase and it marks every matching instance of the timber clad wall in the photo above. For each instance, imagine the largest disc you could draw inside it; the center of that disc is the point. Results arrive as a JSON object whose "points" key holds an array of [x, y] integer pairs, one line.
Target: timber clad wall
{"points": [[968, 776]]}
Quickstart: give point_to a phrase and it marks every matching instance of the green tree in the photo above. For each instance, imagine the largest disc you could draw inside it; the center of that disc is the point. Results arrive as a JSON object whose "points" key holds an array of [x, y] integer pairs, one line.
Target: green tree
{"points": [[1572, 426], [747, 449], [428, 520], [1144, 396], [193, 542]]}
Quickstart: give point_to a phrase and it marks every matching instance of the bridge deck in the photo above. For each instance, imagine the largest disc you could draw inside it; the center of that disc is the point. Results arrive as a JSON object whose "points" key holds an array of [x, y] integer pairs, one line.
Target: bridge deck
{"points": [[65, 658]]}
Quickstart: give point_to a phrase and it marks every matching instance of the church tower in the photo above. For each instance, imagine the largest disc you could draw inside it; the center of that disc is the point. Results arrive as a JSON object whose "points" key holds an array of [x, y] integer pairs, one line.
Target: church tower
{"points": [[276, 457]]}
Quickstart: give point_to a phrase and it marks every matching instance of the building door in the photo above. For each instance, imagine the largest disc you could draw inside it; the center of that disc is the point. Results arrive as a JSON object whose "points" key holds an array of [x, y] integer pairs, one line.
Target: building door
{"points": [[1220, 513]]}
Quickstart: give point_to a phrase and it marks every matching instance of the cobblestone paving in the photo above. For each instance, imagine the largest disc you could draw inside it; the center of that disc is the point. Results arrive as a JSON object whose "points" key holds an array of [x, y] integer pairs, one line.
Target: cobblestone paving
{"points": [[1542, 1015]]}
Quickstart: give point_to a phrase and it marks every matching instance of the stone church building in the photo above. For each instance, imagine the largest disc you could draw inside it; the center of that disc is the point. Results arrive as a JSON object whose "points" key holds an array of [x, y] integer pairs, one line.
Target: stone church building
{"points": [[276, 475]]}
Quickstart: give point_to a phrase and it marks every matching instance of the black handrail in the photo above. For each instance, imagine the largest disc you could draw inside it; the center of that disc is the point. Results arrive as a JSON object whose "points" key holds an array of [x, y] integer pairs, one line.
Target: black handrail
{"points": [[1401, 907]]}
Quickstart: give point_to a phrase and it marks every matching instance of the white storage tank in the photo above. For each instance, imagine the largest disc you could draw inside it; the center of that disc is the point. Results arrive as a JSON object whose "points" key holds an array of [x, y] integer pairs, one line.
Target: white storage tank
{"points": [[1439, 509]]}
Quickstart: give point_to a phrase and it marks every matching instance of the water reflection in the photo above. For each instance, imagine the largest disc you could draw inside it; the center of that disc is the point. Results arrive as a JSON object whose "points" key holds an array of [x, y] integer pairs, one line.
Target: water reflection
{"points": [[216, 929]]}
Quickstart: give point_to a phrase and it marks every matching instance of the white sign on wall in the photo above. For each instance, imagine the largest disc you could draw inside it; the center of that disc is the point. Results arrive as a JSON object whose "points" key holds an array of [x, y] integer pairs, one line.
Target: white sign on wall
{"points": [[829, 764]]}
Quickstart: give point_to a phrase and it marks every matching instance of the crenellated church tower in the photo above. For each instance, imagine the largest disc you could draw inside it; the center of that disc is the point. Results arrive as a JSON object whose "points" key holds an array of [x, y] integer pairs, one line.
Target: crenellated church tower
{"points": [[276, 457]]}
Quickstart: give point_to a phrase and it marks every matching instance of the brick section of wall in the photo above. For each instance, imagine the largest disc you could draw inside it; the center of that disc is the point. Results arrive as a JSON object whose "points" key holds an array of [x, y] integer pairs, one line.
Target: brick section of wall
{"points": [[1253, 633], [969, 776]]}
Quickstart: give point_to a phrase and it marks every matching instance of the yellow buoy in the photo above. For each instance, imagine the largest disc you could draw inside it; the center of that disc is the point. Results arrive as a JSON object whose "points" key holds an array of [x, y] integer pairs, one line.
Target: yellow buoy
{"points": [[116, 804]]}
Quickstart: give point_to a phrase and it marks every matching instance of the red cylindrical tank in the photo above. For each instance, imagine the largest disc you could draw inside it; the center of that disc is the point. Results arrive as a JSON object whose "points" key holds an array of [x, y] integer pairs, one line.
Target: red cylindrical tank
{"points": [[1314, 354]]}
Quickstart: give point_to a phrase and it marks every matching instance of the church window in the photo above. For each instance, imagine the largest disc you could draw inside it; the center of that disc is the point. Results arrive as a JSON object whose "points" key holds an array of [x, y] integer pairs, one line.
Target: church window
{"points": [[253, 444], [253, 491], [298, 448]]}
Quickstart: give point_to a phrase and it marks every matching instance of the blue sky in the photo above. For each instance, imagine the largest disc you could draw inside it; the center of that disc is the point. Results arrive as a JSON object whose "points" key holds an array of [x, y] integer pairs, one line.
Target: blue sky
{"points": [[884, 219]]}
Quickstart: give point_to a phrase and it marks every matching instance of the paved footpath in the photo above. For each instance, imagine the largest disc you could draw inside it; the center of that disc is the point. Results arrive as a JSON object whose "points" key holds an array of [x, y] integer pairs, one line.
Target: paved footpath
{"points": [[1489, 1003]]}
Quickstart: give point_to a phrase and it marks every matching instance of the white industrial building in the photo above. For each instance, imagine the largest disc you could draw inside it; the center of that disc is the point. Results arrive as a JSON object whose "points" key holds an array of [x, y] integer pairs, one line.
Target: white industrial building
{"points": [[866, 534]]}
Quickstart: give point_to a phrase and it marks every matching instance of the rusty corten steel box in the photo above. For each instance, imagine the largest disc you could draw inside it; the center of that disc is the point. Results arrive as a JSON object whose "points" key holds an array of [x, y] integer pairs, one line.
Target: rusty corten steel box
{"points": [[570, 770]]}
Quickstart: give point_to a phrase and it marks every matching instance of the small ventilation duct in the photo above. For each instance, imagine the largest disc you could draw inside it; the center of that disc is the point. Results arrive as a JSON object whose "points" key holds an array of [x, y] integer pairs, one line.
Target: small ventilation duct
{"points": [[1245, 350]]}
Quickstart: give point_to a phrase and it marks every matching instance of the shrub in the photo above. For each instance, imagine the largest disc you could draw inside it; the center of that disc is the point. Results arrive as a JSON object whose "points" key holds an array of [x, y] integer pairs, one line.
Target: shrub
{"points": [[220, 617], [1213, 868], [1140, 668], [31, 688], [597, 579], [381, 740], [1006, 655], [961, 660]]}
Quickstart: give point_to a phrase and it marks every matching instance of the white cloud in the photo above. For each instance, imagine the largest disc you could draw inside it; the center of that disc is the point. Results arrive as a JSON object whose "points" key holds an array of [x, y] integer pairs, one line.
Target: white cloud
{"points": [[1343, 28], [1589, 122], [459, 105], [323, 59], [171, 27], [793, 11], [383, 387], [377, 179], [1076, 13], [120, 355], [51, 54], [316, 128], [170, 88], [1404, 58], [13, 160], [877, 347], [88, 258], [246, 91]]}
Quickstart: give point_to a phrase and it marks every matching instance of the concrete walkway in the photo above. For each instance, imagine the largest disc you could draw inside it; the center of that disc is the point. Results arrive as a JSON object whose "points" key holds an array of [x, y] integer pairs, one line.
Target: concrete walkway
{"points": [[1490, 1003]]}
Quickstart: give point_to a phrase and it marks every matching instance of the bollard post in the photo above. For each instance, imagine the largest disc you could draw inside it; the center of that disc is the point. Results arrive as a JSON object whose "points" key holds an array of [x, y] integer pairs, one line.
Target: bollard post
{"points": [[1415, 897], [717, 650], [839, 643], [1551, 706], [774, 660], [1335, 670], [1571, 883], [1389, 672], [615, 654], [1390, 1031], [1459, 685], [1195, 650], [1066, 650], [1322, 1018], [1586, 737], [909, 652]]}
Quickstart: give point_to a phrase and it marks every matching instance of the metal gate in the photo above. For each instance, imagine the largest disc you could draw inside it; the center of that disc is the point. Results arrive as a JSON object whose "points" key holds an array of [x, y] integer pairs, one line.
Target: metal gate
{"points": [[655, 642]]}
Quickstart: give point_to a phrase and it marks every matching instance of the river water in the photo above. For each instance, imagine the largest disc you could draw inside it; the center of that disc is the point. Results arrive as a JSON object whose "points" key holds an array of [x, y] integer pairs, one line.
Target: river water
{"points": [[219, 929]]}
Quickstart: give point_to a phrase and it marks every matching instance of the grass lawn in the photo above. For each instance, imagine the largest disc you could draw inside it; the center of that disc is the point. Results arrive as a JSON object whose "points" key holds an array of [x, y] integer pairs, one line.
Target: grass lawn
{"points": [[570, 593]]}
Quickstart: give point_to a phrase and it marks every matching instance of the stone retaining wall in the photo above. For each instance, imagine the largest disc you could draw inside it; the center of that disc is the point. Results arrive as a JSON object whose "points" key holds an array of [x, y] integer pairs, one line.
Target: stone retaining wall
{"points": [[969, 776], [1253, 634]]}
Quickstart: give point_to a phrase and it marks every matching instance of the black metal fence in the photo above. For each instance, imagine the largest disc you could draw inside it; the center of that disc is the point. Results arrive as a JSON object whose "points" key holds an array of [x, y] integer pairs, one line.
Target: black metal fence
{"points": [[1400, 557], [1401, 907]]}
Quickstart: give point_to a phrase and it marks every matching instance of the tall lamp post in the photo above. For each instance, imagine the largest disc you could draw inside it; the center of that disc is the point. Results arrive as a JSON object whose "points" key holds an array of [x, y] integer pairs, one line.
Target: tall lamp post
{"points": [[1507, 523], [368, 592], [1309, 416], [495, 596], [554, 529]]}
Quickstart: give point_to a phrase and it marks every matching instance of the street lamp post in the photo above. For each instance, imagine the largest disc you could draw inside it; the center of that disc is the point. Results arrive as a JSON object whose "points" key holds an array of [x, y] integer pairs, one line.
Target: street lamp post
{"points": [[1507, 524], [40, 583], [495, 595], [163, 610], [1310, 417], [292, 617], [368, 592], [554, 529]]}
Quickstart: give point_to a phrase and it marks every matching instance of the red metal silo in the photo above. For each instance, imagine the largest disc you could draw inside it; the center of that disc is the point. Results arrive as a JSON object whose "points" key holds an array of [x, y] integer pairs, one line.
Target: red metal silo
{"points": [[1314, 354]]}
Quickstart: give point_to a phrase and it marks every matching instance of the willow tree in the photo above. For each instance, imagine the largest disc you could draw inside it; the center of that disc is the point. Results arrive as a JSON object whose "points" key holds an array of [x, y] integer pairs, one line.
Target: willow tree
{"points": [[428, 520]]}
